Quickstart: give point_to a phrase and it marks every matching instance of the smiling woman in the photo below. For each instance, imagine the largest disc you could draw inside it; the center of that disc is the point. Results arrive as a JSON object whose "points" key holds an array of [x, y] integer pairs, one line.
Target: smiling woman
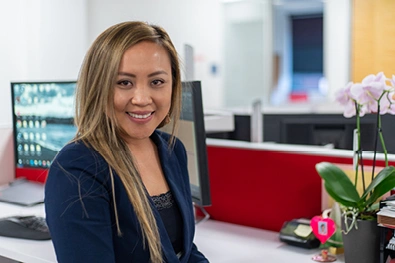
{"points": [[120, 191]]}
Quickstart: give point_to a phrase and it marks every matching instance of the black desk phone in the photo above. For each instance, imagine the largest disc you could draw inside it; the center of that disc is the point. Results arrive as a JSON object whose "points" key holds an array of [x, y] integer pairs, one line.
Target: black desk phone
{"points": [[298, 233]]}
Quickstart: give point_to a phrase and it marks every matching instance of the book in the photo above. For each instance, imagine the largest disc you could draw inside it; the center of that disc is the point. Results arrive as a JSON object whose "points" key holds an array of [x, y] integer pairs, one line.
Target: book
{"points": [[386, 216]]}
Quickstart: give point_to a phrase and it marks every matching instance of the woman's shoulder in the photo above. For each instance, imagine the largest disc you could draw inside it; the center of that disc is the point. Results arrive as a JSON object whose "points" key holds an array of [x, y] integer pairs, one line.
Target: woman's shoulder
{"points": [[77, 152], [76, 147]]}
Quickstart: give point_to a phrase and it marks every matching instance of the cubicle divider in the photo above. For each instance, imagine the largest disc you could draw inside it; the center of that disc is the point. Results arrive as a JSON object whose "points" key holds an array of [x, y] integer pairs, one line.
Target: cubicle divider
{"points": [[264, 185]]}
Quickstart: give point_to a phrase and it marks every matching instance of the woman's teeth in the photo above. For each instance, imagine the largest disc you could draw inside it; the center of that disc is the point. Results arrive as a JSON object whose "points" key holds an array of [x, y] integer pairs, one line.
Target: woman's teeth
{"points": [[138, 116]]}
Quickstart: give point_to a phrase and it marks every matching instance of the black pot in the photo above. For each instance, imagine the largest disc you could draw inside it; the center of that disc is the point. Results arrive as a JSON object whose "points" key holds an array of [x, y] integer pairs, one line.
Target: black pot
{"points": [[362, 245]]}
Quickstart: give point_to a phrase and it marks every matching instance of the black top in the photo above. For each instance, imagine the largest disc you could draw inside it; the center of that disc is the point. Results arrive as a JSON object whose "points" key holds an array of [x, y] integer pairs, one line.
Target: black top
{"points": [[171, 218]]}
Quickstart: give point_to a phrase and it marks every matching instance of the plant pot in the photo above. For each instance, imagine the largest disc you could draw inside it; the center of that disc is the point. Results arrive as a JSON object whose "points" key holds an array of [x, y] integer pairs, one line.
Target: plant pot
{"points": [[362, 245]]}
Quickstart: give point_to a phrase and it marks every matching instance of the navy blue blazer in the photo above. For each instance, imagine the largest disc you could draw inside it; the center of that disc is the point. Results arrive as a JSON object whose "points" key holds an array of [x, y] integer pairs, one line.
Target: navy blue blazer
{"points": [[80, 213]]}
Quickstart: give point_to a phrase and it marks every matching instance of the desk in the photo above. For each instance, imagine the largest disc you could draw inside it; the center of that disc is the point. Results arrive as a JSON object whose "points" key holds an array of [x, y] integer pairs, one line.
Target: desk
{"points": [[221, 243], [228, 243]]}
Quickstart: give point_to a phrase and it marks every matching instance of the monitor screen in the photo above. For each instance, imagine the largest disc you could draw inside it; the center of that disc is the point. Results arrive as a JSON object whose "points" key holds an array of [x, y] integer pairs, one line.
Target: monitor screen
{"points": [[42, 121]]}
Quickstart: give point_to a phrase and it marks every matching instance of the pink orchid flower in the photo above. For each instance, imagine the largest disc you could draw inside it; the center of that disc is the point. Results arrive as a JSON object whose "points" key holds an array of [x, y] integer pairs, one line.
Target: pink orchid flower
{"points": [[369, 91], [372, 91], [387, 103], [347, 99], [343, 96], [386, 106]]}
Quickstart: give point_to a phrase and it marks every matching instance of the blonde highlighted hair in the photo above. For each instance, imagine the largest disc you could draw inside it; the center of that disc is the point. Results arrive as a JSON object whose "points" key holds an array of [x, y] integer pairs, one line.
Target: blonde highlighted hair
{"points": [[95, 118]]}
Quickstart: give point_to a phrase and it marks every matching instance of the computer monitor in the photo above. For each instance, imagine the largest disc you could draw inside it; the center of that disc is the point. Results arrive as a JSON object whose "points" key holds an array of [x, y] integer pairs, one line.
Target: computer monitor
{"points": [[192, 133], [43, 114]]}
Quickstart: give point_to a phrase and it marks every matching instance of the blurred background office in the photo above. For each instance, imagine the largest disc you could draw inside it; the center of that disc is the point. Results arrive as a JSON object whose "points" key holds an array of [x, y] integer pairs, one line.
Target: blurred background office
{"points": [[243, 50], [289, 54]]}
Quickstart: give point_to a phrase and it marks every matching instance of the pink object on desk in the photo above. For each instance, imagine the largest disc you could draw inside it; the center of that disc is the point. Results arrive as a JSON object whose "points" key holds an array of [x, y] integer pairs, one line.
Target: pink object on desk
{"points": [[323, 228]]}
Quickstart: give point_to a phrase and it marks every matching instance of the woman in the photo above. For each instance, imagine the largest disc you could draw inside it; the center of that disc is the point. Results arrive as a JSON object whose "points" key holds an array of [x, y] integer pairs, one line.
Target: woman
{"points": [[119, 192]]}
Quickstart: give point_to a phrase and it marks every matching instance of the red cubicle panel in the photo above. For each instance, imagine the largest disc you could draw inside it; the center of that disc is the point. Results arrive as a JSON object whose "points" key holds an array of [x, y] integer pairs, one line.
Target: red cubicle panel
{"points": [[264, 188]]}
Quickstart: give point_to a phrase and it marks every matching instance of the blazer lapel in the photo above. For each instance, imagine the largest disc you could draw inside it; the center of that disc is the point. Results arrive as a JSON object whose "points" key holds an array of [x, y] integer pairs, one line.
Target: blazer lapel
{"points": [[167, 246], [175, 180], [177, 186]]}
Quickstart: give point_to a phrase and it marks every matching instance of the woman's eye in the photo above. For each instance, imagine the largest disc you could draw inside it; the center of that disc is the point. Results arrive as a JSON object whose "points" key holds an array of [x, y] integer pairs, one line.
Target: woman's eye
{"points": [[157, 82], [124, 83]]}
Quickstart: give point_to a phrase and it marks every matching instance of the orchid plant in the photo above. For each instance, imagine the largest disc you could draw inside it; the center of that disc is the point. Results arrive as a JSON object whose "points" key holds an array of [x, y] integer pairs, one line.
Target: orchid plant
{"points": [[375, 95]]}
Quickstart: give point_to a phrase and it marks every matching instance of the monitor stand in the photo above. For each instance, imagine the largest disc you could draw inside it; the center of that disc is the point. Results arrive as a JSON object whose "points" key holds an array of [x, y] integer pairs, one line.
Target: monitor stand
{"points": [[201, 214]]}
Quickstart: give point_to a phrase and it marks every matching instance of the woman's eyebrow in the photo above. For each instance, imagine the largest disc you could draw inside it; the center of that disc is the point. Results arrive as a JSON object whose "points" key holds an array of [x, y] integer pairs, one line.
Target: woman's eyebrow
{"points": [[159, 72]]}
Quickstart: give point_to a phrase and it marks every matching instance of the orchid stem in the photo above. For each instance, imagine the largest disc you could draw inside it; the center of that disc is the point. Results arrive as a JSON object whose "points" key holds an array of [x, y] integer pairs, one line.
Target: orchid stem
{"points": [[360, 161], [380, 131], [376, 134], [359, 151]]}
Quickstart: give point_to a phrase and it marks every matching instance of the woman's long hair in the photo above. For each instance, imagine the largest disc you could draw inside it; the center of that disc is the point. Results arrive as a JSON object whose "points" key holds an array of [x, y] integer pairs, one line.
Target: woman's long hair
{"points": [[95, 117]]}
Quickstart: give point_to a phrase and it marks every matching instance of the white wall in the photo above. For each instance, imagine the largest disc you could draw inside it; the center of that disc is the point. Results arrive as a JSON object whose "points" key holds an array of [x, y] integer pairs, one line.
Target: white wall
{"points": [[40, 40]]}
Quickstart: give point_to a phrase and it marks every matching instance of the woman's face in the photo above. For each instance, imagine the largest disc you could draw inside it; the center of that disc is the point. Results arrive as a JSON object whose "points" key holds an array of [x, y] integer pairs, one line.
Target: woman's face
{"points": [[142, 95]]}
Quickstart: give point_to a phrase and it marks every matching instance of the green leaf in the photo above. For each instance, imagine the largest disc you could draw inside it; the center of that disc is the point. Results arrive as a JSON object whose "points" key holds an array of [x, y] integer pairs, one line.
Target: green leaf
{"points": [[382, 175], [338, 185], [381, 184], [339, 198]]}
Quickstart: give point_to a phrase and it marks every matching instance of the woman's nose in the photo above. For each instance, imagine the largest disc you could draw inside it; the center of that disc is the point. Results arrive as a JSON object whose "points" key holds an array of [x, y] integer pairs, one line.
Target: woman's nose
{"points": [[141, 96]]}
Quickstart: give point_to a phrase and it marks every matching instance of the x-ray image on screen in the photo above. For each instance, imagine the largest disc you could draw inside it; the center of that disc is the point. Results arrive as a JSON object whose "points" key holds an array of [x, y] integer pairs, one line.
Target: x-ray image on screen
{"points": [[43, 121]]}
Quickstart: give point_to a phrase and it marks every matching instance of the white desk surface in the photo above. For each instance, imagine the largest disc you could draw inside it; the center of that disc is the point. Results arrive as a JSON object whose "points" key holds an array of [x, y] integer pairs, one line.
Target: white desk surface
{"points": [[28, 251], [220, 242]]}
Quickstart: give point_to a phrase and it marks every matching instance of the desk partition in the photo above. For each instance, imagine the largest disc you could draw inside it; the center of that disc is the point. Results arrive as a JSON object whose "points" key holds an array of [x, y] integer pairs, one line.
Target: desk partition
{"points": [[263, 185]]}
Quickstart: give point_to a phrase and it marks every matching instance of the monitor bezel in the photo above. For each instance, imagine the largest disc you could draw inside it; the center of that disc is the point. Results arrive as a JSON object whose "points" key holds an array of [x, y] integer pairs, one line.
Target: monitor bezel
{"points": [[200, 139]]}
